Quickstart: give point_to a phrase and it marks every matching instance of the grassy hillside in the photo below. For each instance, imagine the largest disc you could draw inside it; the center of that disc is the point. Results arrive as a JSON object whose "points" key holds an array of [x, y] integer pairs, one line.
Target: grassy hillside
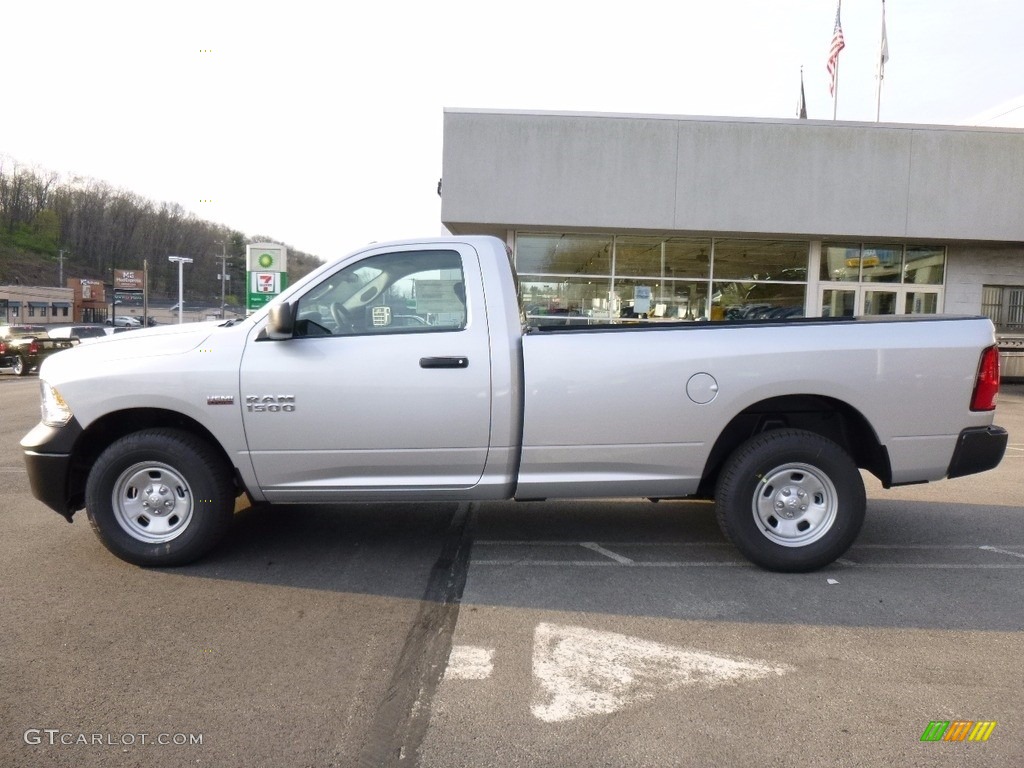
{"points": [[18, 265]]}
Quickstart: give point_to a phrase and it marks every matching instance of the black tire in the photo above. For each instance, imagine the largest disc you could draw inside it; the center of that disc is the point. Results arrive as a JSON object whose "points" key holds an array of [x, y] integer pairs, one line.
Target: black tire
{"points": [[19, 367], [160, 497], [790, 500]]}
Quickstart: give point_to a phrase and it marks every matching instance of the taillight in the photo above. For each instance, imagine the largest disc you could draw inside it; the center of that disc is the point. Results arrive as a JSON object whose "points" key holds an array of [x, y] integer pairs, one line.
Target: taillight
{"points": [[987, 386], [33, 348]]}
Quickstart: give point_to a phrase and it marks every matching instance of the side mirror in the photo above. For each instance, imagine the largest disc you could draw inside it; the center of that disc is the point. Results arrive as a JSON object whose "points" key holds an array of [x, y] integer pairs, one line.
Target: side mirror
{"points": [[280, 322]]}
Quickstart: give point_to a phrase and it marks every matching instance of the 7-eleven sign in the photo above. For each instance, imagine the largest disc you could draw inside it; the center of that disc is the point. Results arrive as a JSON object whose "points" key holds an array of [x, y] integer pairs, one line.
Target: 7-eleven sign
{"points": [[266, 282]]}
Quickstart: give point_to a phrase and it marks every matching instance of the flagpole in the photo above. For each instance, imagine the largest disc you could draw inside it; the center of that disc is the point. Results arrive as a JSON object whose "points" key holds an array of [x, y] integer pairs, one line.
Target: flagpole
{"points": [[801, 110], [883, 54], [837, 45], [835, 96], [839, 7]]}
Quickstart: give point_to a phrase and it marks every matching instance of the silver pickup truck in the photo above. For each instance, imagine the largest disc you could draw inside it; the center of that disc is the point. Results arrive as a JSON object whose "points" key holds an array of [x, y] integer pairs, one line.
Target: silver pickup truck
{"points": [[406, 372]]}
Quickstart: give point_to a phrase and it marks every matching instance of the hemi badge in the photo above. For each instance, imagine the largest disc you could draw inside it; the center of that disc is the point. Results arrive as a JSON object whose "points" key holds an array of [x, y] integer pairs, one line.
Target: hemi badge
{"points": [[220, 400]]}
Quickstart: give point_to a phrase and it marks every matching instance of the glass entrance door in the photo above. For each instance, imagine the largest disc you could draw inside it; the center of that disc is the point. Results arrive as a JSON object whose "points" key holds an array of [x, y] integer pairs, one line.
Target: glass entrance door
{"points": [[856, 300], [838, 303], [876, 302]]}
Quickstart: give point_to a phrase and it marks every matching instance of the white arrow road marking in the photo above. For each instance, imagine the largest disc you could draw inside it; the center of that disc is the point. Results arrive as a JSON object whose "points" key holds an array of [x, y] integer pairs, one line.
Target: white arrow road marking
{"points": [[584, 672], [467, 662]]}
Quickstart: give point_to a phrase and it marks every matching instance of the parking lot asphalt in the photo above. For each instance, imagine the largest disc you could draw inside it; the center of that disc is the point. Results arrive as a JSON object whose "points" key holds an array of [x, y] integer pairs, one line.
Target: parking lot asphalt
{"points": [[584, 633]]}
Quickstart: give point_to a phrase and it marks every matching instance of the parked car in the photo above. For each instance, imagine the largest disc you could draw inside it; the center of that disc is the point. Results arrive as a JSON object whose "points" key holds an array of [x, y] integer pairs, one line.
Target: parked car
{"points": [[24, 347], [125, 321], [81, 332]]}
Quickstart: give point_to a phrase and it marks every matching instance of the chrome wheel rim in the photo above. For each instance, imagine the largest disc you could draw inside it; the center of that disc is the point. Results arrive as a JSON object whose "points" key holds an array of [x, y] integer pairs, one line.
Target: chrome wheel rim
{"points": [[795, 505], [152, 502]]}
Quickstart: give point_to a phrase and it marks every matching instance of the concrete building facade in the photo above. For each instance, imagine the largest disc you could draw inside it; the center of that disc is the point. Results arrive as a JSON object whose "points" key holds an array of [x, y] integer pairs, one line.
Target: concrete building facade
{"points": [[660, 217]]}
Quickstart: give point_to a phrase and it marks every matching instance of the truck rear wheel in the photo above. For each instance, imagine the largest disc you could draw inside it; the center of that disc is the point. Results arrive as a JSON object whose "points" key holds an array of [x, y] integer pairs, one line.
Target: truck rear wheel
{"points": [[20, 367], [790, 500], [159, 497]]}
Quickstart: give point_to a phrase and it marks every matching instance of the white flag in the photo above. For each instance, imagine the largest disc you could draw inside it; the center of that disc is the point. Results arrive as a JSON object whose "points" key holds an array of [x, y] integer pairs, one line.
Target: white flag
{"points": [[884, 57]]}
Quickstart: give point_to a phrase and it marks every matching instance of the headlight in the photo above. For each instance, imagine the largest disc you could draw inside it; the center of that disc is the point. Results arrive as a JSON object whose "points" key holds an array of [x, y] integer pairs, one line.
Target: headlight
{"points": [[56, 413]]}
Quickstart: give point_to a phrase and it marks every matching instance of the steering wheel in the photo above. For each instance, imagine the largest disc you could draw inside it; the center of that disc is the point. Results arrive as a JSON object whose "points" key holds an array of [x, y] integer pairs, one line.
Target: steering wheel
{"points": [[342, 317]]}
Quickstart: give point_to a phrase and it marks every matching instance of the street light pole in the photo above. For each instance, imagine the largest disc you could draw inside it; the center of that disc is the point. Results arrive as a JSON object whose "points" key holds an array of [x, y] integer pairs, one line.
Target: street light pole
{"points": [[182, 261], [223, 269]]}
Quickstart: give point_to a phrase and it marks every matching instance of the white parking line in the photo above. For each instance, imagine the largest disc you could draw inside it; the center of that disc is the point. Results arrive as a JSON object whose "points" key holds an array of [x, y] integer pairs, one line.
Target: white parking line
{"points": [[552, 543], [610, 564], [593, 545], [616, 560], [744, 564], [1002, 551], [703, 544], [927, 546]]}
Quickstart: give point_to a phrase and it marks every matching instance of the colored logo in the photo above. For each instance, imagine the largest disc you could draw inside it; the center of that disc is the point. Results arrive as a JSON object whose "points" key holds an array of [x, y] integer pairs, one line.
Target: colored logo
{"points": [[266, 260], [958, 730], [265, 282]]}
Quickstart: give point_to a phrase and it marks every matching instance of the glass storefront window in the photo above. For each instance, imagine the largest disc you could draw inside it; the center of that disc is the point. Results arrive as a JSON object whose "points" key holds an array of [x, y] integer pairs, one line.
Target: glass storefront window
{"points": [[925, 265], [850, 262], [593, 278], [688, 257], [658, 257], [564, 254], [640, 256], [551, 300], [760, 260], [760, 301], [840, 262], [660, 299], [881, 263]]}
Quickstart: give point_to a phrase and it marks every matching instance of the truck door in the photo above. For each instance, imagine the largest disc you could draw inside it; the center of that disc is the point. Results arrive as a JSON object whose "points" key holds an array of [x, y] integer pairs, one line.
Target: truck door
{"points": [[384, 387]]}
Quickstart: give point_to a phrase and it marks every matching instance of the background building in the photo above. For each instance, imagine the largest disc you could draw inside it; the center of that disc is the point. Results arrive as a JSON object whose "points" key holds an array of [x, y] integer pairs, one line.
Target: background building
{"points": [[36, 305]]}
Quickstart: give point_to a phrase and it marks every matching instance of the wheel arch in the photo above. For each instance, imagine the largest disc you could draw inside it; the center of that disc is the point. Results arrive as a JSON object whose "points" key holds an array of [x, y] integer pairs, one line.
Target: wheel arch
{"points": [[831, 418], [113, 426]]}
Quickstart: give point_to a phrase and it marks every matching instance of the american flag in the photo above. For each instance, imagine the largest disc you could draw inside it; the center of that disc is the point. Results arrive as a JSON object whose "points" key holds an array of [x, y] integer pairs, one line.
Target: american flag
{"points": [[833, 54]]}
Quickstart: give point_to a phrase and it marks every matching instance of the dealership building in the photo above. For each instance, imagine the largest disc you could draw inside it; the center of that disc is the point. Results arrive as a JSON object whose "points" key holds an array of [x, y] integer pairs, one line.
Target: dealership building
{"points": [[655, 218]]}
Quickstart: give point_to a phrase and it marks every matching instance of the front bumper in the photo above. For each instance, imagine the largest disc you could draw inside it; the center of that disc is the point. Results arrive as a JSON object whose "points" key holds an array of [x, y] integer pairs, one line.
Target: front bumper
{"points": [[978, 449], [48, 454]]}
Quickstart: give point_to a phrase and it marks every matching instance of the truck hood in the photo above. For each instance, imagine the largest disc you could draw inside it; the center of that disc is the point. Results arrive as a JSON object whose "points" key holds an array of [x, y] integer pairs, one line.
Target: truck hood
{"points": [[131, 345]]}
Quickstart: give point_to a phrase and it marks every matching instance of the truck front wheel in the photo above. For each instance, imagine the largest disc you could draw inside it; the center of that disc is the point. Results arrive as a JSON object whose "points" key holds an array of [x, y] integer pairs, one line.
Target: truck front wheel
{"points": [[159, 497], [790, 500]]}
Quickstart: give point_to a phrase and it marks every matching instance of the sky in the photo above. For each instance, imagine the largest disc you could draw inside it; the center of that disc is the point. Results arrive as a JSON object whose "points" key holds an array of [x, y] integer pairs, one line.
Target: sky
{"points": [[320, 124]]}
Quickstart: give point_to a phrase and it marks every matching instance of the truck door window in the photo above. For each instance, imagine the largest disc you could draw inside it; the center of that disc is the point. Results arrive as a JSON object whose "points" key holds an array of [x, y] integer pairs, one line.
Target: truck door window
{"points": [[401, 292]]}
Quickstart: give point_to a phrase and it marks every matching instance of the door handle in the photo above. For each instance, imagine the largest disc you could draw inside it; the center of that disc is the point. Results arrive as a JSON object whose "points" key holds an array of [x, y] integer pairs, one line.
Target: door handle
{"points": [[444, 362]]}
